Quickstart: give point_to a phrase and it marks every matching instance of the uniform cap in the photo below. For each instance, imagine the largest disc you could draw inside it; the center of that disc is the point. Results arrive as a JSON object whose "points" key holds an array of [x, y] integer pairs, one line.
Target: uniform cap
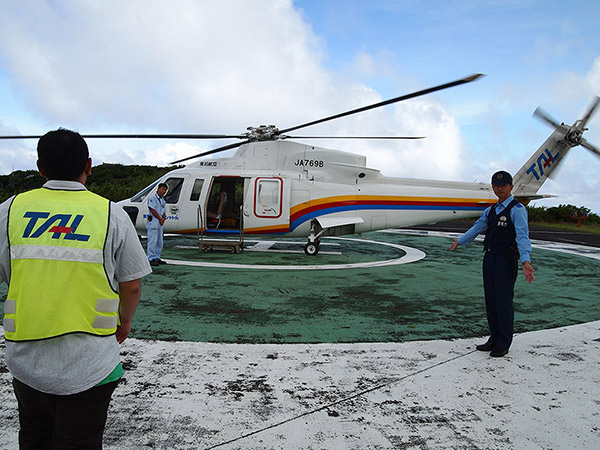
{"points": [[501, 178]]}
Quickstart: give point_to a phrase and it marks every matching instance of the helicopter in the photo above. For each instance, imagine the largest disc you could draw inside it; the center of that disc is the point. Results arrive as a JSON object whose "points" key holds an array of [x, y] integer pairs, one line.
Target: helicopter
{"points": [[273, 186]]}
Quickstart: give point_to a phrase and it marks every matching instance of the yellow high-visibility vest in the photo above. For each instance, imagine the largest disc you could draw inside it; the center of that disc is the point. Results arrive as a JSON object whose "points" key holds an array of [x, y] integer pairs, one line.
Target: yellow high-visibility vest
{"points": [[58, 283]]}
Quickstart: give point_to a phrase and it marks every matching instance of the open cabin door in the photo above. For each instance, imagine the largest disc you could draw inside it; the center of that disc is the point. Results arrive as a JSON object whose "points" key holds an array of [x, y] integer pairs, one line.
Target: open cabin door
{"points": [[267, 205], [221, 211]]}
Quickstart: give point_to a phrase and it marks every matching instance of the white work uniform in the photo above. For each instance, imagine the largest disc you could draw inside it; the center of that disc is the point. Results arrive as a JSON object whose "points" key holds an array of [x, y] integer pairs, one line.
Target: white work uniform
{"points": [[154, 228]]}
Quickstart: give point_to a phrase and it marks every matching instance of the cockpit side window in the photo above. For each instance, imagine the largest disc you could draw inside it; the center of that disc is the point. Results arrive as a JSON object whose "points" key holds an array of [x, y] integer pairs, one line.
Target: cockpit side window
{"points": [[175, 185], [196, 190]]}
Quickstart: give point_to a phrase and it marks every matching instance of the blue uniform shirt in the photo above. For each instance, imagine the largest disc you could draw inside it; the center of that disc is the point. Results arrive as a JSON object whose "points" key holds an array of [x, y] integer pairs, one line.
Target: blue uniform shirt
{"points": [[158, 204], [518, 215]]}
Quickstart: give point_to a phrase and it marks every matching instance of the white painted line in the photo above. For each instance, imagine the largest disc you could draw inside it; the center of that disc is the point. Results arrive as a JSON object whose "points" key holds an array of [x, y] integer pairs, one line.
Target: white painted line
{"points": [[562, 247], [411, 255]]}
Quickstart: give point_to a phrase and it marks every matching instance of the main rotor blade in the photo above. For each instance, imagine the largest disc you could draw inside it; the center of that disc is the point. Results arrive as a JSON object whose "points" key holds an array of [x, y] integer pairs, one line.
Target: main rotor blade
{"points": [[590, 111], [20, 137], [388, 102], [210, 152], [352, 137], [143, 136]]}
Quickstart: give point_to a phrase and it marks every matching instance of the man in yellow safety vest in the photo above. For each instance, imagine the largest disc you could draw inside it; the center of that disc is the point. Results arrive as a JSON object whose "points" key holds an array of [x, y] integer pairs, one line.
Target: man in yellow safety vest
{"points": [[73, 264]]}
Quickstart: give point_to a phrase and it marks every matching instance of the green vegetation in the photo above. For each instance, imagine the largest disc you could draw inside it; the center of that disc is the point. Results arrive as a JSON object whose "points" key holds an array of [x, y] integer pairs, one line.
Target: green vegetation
{"points": [[113, 181], [117, 182], [564, 217], [561, 213]]}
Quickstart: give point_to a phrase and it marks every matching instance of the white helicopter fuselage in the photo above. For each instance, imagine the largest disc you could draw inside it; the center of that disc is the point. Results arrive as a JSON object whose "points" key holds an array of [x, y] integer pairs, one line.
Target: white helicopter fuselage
{"points": [[279, 187], [286, 188]]}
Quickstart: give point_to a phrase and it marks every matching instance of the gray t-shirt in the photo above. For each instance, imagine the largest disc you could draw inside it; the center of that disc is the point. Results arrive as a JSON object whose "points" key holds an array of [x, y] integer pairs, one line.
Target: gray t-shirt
{"points": [[76, 362]]}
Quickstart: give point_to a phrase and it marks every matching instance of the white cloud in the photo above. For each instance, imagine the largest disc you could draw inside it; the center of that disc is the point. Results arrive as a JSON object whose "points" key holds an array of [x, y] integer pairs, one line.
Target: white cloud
{"points": [[199, 66], [592, 78], [176, 65]]}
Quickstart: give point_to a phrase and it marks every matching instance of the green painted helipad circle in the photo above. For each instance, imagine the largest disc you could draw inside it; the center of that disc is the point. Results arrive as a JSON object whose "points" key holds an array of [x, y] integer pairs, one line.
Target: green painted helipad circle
{"points": [[436, 297]]}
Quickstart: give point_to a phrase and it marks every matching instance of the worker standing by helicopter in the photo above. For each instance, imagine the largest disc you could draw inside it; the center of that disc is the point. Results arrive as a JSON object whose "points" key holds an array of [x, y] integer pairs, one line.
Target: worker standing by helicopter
{"points": [[157, 214], [506, 240], [73, 264]]}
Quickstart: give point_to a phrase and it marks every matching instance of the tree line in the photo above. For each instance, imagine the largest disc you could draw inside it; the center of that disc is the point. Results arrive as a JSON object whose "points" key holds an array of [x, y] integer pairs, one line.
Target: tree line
{"points": [[113, 181], [561, 214], [117, 182]]}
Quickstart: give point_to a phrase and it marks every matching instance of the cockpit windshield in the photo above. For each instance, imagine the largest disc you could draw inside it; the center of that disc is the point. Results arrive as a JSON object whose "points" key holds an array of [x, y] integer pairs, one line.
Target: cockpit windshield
{"points": [[141, 196]]}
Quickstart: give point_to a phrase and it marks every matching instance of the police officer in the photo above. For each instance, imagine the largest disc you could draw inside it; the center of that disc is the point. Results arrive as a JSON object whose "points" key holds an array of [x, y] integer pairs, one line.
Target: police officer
{"points": [[73, 263], [506, 241], [157, 214]]}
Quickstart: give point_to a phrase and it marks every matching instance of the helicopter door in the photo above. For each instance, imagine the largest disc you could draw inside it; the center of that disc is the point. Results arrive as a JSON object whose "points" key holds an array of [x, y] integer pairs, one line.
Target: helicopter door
{"points": [[267, 205], [193, 192], [222, 208], [173, 201]]}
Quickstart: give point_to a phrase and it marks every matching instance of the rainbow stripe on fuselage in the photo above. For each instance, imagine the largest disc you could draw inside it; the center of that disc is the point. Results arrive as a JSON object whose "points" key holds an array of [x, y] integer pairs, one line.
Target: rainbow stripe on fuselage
{"points": [[306, 211]]}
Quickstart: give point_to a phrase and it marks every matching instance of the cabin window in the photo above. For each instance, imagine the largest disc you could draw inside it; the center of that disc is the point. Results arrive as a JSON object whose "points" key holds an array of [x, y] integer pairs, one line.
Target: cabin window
{"points": [[268, 193], [196, 190], [175, 185]]}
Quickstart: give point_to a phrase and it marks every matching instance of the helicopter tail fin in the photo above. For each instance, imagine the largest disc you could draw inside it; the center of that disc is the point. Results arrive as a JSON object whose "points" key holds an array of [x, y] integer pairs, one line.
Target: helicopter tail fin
{"points": [[542, 164]]}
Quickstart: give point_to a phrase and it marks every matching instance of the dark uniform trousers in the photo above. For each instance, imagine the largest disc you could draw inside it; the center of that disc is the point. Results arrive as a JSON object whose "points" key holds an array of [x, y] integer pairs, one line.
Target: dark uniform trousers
{"points": [[499, 276], [62, 422]]}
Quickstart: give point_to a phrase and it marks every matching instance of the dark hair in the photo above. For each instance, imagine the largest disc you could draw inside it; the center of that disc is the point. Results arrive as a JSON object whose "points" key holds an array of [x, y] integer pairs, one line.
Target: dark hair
{"points": [[62, 154], [165, 185]]}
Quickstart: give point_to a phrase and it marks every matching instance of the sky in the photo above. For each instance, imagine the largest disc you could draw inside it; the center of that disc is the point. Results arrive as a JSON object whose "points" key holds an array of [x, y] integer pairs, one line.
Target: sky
{"points": [[200, 66]]}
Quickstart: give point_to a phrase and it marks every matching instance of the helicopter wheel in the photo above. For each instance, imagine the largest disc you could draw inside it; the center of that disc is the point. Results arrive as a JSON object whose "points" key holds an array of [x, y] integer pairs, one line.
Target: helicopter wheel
{"points": [[311, 249]]}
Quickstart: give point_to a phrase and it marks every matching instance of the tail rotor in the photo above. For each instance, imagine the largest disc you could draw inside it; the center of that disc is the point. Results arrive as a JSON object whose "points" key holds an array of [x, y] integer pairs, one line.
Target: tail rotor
{"points": [[573, 134]]}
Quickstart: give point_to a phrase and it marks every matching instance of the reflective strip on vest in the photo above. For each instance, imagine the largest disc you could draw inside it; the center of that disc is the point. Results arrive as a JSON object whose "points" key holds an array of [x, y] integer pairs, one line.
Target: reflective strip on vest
{"points": [[106, 305], [10, 307], [61, 253], [104, 322], [58, 282]]}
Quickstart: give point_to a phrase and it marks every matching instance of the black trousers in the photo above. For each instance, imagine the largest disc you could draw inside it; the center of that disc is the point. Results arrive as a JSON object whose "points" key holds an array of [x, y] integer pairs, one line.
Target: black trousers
{"points": [[61, 422], [499, 276]]}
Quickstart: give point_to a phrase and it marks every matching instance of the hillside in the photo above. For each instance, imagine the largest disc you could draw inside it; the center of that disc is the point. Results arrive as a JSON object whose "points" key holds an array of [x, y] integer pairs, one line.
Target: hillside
{"points": [[117, 182], [113, 181]]}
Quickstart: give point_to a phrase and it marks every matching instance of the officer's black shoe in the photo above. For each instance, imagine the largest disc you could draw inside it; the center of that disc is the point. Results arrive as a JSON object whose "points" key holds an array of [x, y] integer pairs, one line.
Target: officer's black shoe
{"points": [[154, 262], [160, 261], [486, 347], [498, 352]]}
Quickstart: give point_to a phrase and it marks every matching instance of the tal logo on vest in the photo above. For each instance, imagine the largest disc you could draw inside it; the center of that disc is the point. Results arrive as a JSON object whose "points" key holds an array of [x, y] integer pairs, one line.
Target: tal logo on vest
{"points": [[58, 224]]}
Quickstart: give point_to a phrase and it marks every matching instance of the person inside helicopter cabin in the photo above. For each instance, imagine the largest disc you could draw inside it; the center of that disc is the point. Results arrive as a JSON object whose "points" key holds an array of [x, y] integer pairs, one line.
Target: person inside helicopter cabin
{"points": [[216, 206], [506, 240]]}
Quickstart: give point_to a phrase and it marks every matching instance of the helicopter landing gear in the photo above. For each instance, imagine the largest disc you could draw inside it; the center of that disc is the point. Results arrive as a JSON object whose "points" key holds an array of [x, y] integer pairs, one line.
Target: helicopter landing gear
{"points": [[312, 246]]}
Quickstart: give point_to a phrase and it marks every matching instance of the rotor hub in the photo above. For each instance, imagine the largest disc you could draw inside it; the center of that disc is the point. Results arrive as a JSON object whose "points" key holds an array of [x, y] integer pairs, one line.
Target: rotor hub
{"points": [[262, 133], [575, 137]]}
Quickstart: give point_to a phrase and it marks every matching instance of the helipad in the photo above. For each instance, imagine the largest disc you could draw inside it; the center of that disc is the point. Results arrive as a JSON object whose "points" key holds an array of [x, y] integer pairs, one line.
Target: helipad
{"points": [[319, 358], [388, 287]]}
